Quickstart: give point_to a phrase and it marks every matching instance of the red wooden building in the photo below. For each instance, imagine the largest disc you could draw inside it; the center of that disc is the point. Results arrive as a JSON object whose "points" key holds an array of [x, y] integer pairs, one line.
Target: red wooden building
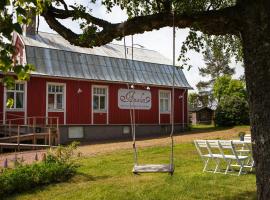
{"points": [[88, 89]]}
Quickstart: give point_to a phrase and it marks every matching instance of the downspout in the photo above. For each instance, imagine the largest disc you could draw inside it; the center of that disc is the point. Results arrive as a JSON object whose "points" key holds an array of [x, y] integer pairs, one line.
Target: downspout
{"points": [[183, 111]]}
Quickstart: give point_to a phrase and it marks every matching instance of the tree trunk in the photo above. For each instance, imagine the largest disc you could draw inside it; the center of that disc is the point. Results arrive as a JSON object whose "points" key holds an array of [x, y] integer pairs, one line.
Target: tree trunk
{"points": [[256, 46]]}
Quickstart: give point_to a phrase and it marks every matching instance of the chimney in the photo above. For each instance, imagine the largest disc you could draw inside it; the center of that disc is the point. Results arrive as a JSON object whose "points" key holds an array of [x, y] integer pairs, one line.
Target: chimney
{"points": [[30, 29]]}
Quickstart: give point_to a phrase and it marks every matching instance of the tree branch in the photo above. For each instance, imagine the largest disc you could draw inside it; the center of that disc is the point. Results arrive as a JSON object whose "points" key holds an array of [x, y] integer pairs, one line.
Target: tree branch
{"points": [[215, 22]]}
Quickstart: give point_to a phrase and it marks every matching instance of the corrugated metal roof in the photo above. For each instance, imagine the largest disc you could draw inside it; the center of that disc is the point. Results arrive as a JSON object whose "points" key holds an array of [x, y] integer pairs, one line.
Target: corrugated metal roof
{"points": [[54, 56]]}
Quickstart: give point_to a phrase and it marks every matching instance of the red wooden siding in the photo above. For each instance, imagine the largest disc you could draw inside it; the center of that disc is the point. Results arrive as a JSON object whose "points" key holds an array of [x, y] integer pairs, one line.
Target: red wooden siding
{"points": [[100, 118], [78, 104], [14, 117]]}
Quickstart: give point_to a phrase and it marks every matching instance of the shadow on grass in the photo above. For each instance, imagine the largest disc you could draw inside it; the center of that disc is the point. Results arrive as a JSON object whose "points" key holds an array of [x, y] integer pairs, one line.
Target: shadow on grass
{"points": [[250, 195], [78, 178], [82, 177]]}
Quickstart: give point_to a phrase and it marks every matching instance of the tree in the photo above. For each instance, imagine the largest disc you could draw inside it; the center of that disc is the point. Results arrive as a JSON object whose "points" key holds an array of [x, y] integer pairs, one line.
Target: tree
{"points": [[198, 100], [241, 25], [7, 26], [225, 86], [232, 110], [217, 64], [232, 102]]}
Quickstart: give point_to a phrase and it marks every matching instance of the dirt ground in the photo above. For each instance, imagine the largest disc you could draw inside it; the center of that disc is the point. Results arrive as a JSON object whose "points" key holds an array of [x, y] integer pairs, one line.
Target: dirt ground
{"points": [[103, 148]]}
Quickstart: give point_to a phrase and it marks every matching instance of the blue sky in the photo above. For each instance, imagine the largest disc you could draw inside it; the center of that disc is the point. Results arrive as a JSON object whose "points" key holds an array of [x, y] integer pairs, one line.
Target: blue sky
{"points": [[159, 40]]}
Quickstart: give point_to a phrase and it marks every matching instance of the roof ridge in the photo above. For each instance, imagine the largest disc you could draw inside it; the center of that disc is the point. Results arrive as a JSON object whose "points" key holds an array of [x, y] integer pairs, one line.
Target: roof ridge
{"points": [[108, 43]]}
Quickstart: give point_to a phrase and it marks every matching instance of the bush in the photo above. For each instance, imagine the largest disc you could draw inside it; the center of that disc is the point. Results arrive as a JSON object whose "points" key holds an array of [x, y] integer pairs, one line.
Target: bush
{"points": [[232, 110], [59, 166]]}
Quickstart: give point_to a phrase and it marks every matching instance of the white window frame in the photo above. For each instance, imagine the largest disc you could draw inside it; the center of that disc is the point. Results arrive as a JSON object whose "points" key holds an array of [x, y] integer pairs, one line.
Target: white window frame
{"points": [[105, 110], [55, 97], [64, 103], [106, 104], [169, 101], [15, 92]]}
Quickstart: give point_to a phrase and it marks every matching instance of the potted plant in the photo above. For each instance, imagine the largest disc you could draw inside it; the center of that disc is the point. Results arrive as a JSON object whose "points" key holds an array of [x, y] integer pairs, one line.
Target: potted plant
{"points": [[241, 135]]}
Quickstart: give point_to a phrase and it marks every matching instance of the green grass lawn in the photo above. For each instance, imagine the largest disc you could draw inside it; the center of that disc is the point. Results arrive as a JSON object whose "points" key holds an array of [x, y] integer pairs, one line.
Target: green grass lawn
{"points": [[109, 177]]}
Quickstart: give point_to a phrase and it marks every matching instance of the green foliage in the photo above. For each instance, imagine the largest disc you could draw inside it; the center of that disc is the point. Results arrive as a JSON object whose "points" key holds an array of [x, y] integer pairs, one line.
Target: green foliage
{"points": [[232, 110], [23, 12], [200, 99], [233, 106], [226, 86], [59, 166]]}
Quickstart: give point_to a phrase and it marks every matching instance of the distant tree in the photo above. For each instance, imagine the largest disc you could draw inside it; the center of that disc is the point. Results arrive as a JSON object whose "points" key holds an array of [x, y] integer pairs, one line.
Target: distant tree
{"points": [[232, 110], [217, 62], [202, 99], [232, 106], [225, 86]]}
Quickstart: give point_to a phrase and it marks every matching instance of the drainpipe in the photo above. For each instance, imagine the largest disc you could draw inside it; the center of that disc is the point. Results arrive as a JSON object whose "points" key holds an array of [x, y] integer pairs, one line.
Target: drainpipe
{"points": [[183, 106]]}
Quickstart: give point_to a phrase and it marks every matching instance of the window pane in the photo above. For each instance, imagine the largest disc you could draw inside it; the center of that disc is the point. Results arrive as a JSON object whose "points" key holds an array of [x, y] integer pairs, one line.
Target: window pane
{"points": [[21, 87], [10, 95], [60, 88], [51, 101], [166, 105], [95, 90], [17, 86], [95, 103], [102, 90], [102, 102], [59, 99], [19, 100]]}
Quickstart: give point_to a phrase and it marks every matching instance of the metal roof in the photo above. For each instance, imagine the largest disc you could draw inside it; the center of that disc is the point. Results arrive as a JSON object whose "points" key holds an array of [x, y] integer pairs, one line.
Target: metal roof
{"points": [[54, 56]]}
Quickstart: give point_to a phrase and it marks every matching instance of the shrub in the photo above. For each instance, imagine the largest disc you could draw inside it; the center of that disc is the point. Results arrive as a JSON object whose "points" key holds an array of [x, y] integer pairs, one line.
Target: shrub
{"points": [[59, 166], [232, 110]]}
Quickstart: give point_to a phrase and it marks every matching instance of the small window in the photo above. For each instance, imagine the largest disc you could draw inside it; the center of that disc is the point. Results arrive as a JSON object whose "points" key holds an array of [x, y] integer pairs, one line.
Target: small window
{"points": [[165, 101], [100, 99], [55, 97], [17, 94]]}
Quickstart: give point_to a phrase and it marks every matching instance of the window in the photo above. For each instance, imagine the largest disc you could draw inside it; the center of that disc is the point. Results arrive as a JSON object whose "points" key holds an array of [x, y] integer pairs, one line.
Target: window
{"points": [[17, 94], [100, 99], [55, 97], [164, 101]]}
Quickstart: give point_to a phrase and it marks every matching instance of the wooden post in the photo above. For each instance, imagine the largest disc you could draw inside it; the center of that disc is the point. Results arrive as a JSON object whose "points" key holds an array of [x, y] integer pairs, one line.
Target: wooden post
{"points": [[18, 138], [57, 130], [34, 124], [9, 127], [50, 136], [28, 124]]}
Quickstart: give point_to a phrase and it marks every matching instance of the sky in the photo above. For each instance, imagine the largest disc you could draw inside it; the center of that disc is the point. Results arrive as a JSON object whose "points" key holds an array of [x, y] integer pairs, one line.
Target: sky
{"points": [[159, 40]]}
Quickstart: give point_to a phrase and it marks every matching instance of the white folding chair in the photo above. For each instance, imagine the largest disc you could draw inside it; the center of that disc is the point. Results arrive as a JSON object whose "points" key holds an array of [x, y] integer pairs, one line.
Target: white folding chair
{"points": [[230, 155], [247, 138], [214, 148], [204, 152]]}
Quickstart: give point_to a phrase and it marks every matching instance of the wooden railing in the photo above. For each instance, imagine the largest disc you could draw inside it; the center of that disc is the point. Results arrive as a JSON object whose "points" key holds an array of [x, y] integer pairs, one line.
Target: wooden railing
{"points": [[46, 128]]}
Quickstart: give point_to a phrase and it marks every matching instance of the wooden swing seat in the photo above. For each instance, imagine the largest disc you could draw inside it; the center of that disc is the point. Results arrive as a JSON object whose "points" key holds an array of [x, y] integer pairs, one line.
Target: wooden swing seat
{"points": [[153, 168]]}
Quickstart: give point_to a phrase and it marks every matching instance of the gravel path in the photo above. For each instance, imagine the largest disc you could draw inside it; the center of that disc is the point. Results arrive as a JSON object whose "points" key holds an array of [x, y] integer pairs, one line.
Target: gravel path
{"points": [[96, 149]]}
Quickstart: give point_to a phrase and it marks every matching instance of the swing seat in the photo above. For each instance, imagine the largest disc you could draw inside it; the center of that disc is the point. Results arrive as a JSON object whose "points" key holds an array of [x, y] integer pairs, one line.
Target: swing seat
{"points": [[153, 168]]}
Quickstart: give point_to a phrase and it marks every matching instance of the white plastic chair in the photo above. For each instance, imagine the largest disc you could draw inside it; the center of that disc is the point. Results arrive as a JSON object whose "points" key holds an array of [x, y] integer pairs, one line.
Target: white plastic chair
{"points": [[214, 148], [204, 152], [231, 156]]}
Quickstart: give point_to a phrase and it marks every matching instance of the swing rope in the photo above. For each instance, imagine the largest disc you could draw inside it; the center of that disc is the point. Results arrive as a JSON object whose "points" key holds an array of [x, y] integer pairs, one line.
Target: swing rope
{"points": [[132, 107], [173, 88], [131, 111]]}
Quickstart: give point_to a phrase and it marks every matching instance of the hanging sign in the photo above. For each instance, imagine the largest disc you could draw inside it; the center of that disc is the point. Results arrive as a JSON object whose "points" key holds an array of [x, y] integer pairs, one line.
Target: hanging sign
{"points": [[137, 99]]}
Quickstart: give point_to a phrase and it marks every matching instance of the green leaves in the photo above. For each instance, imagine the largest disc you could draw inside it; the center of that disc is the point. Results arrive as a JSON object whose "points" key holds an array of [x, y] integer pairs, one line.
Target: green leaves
{"points": [[23, 11]]}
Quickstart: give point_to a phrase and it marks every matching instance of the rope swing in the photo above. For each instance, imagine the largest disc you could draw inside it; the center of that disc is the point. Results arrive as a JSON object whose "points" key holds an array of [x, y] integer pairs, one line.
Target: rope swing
{"points": [[151, 168]]}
